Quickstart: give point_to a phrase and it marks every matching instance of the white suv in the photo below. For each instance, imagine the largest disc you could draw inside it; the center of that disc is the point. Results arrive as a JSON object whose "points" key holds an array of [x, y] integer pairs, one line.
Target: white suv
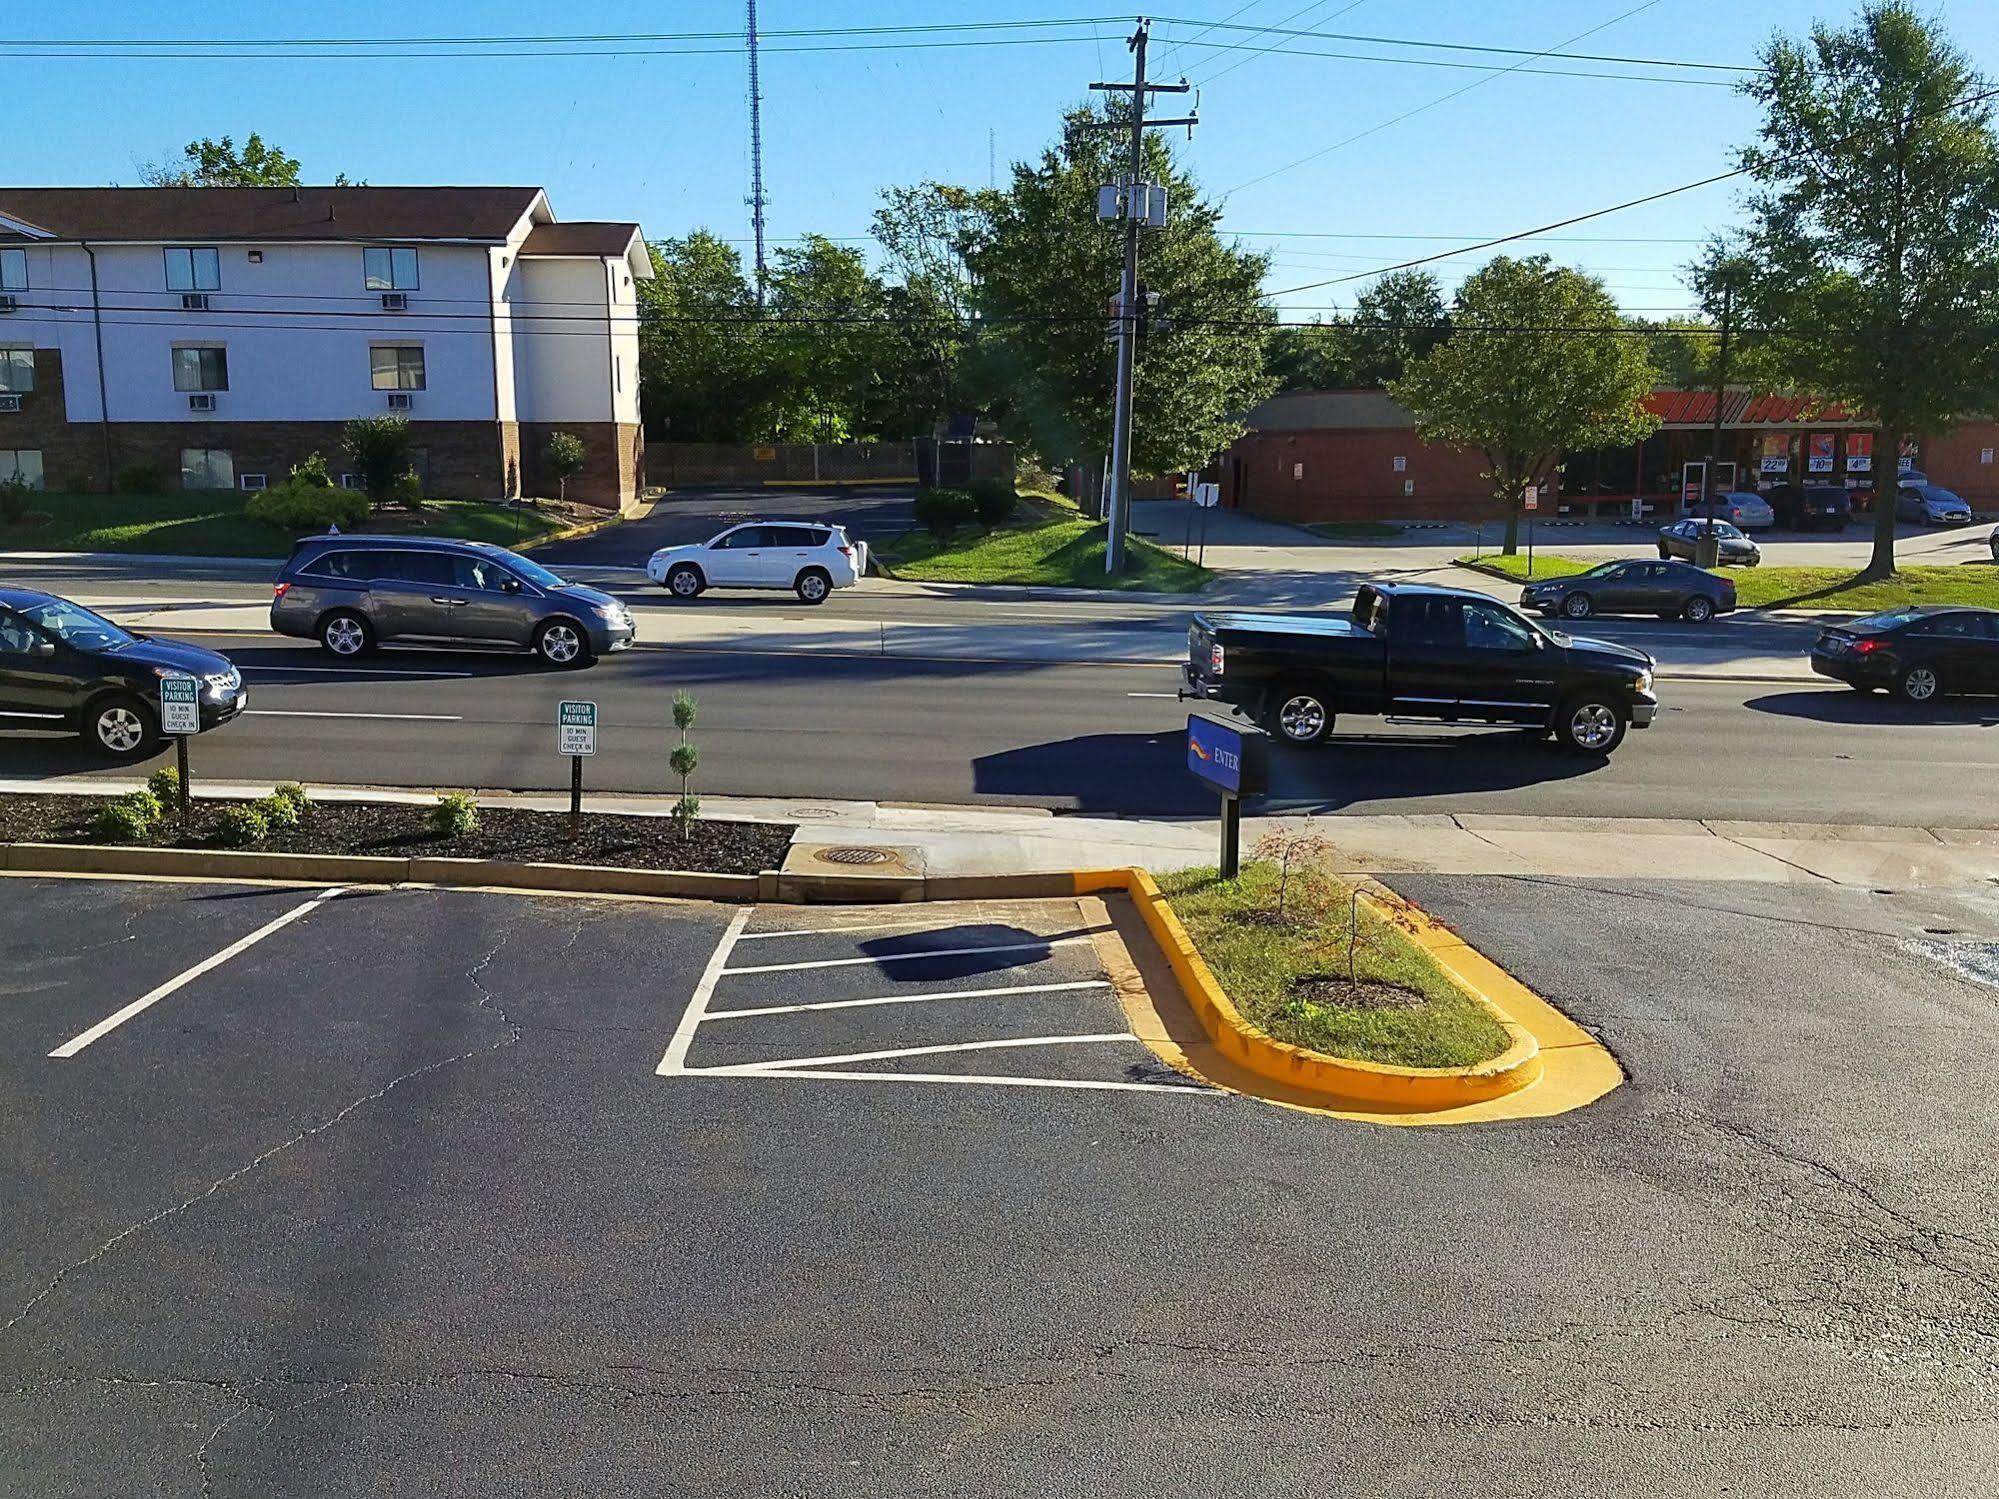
{"points": [[808, 558]]}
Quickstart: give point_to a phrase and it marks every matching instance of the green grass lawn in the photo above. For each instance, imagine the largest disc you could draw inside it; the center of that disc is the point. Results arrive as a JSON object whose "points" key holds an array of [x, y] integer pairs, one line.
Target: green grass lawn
{"points": [[212, 524], [1255, 960], [1799, 587], [1049, 544]]}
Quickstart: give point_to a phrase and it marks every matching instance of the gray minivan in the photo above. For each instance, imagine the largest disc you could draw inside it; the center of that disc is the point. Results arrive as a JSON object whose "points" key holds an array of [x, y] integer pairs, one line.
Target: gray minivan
{"points": [[351, 593]]}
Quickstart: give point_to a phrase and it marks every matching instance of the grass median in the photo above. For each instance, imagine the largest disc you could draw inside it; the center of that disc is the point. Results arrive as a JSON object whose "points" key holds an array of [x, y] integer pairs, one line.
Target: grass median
{"points": [[1049, 544], [1285, 965], [1795, 587], [211, 523]]}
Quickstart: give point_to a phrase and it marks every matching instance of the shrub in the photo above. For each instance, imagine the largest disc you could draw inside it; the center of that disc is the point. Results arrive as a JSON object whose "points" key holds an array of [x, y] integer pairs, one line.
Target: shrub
{"points": [[564, 456], [280, 813], [299, 506], [140, 478], [14, 491], [35, 518], [129, 819], [311, 469], [379, 449], [164, 786], [456, 813], [291, 791], [407, 491], [942, 511], [241, 825], [994, 499]]}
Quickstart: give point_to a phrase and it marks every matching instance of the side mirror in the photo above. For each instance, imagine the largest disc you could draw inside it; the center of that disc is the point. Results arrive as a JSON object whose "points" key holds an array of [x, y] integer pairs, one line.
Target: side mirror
{"points": [[42, 648]]}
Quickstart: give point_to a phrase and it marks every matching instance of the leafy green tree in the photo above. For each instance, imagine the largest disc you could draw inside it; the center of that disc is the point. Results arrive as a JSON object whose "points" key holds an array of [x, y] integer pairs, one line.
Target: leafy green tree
{"points": [[834, 343], [922, 232], [702, 354], [1396, 321], [1537, 364], [379, 449], [217, 163], [1315, 356], [1874, 233], [565, 458], [1043, 270]]}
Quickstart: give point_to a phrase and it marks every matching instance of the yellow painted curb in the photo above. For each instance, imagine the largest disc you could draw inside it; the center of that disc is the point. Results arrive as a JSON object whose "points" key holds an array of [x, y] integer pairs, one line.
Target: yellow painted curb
{"points": [[570, 533], [1550, 1059]]}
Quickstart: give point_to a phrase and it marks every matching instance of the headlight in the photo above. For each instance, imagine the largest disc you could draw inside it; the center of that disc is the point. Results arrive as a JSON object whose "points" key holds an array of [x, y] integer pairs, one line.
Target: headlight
{"points": [[1642, 682], [614, 612], [223, 681]]}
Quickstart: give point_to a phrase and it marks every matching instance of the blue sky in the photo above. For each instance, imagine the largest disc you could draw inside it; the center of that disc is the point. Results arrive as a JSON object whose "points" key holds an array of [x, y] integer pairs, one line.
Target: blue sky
{"points": [[663, 138]]}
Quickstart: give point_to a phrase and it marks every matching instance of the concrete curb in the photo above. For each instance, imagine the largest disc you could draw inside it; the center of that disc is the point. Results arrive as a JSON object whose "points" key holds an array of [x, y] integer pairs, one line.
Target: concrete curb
{"points": [[1334, 1080], [570, 533]]}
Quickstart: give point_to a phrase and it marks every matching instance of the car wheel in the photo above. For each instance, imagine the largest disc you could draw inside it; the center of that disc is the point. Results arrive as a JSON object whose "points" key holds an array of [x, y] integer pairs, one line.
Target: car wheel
{"points": [[684, 581], [121, 727], [1664, 554], [812, 586], [1298, 715], [1919, 684], [346, 634], [1698, 610], [561, 643], [1577, 606], [1589, 724]]}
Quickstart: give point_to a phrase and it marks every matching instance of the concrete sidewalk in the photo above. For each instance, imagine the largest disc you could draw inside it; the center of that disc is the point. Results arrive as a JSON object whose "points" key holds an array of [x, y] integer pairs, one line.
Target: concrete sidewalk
{"points": [[971, 840]]}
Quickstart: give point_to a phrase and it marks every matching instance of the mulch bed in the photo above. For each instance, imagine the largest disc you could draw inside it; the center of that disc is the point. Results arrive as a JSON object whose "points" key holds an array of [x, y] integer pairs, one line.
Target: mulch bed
{"points": [[1334, 989], [396, 830]]}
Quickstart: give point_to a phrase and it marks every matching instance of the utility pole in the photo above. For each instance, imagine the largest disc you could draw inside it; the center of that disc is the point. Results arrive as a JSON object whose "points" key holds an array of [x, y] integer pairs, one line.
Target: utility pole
{"points": [[757, 198], [1707, 551], [1135, 200]]}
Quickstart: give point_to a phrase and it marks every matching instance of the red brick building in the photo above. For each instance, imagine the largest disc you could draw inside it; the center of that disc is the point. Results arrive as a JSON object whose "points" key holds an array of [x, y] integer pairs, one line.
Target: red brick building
{"points": [[1331, 455]]}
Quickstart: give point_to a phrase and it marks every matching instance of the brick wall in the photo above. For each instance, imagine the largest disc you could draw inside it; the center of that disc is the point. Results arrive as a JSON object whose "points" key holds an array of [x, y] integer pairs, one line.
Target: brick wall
{"points": [[1956, 462], [71, 453], [1350, 474], [613, 462]]}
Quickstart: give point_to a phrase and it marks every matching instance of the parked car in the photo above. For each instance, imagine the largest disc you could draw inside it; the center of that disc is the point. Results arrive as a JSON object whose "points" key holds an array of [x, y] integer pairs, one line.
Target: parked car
{"points": [[1418, 652], [64, 668], [1682, 539], [1931, 505], [1918, 652], [1810, 507], [353, 593], [809, 558], [1739, 507], [1992, 541], [1671, 590]]}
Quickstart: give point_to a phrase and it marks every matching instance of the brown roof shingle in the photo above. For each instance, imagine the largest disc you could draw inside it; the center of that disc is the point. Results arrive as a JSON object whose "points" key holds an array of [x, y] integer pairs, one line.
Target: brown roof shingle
{"points": [[583, 237], [270, 213]]}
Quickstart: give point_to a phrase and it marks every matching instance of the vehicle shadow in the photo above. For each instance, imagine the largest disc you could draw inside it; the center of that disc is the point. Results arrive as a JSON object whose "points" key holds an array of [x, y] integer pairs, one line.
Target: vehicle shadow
{"points": [[304, 663], [1871, 708], [1000, 947]]}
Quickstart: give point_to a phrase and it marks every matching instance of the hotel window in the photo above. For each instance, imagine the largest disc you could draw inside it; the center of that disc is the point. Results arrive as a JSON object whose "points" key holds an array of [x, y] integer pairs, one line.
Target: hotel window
{"points": [[17, 371], [201, 369], [24, 464], [207, 468], [193, 269], [389, 269], [13, 270], [396, 366]]}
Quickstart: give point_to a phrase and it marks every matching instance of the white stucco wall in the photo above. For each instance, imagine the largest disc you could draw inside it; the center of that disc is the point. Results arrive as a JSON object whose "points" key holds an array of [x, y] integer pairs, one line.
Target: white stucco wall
{"points": [[562, 357]]}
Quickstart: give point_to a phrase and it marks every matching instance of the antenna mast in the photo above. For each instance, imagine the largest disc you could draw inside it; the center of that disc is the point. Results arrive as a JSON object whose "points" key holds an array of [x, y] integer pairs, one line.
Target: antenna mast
{"points": [[757, 199]]}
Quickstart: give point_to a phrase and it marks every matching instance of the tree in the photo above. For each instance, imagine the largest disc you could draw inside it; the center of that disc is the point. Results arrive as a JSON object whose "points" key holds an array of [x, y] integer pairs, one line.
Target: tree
{"points": [[217, 163], [379, 449], [1316, 356], [1537, 364], [565, 458], [833, 339], [1874, 229], [1042, 272], [702, 360], [923, 232], [1396, 321]]}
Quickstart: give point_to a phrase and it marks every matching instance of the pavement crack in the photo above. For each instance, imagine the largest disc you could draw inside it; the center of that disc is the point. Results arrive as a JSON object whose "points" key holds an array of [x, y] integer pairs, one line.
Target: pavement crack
{"points": [[1764, 853], [486, 1002]]}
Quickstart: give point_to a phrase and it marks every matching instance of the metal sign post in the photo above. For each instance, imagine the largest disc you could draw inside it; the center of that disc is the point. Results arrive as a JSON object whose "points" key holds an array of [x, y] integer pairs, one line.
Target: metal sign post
{"points": [[180, 719], [575, 736], [1206, 497], [1530, 501], [1233, 761]]}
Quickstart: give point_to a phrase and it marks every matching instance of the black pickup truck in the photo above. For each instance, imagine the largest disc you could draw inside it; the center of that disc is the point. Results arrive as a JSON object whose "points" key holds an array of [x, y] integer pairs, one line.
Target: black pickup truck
{"points": [[1419, 652]]}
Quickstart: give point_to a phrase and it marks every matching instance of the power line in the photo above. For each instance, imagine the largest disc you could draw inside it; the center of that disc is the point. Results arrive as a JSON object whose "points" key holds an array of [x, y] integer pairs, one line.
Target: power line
{"points": [[554, 38], [1491, 70], [1274, 30]]}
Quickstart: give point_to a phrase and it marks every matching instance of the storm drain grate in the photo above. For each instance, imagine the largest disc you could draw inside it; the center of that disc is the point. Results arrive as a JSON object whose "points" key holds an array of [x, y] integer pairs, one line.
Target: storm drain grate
{"points": [[854, 855]]}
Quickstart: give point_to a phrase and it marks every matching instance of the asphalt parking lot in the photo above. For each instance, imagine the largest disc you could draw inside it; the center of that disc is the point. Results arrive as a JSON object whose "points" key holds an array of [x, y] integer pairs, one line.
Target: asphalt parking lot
{"points": [[428, 1192]]}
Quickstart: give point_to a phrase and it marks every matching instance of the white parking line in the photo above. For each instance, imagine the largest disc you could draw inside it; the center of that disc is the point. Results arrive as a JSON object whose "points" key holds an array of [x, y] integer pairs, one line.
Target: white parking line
{"points": [[909, 999], [840, 931], [675, 1058], [328, 713], [357, 671], [920, 1051], [146, 1001], [1192, 1090], [1171, 697], [910, 957]]}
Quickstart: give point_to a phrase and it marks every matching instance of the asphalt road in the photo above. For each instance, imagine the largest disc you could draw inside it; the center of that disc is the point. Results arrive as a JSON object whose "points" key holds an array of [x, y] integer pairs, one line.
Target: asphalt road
{"points": [[1101, 739], [871, 514], [436, 1224]]}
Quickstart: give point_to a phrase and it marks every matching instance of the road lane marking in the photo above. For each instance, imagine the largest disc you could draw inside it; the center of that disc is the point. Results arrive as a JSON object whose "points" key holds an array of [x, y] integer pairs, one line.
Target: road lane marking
{"points": [[675, 1058], [1171, 697], [1191, 1089], [329, 713], [146, 1001], [910, 999], [918, 1051], [911, 957]]}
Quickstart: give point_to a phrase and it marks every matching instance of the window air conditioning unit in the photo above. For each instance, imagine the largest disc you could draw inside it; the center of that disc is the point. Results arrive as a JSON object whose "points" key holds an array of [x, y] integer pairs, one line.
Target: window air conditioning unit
{"points": [[10, 403], [350, 481], [399, 400], [194, 301], [8, 302], [395, 301], [253, 481], [203, 402]]}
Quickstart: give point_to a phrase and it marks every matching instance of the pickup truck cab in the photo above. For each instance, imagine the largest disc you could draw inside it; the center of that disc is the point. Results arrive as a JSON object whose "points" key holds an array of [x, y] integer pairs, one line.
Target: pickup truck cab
{"points": [[1411, 651]]}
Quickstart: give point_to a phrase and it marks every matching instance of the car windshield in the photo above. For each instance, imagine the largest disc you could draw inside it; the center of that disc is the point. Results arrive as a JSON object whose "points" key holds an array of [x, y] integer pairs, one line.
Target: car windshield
{"points": [[1888, 619], [1602, 569], [75, 625], [534, 572]]}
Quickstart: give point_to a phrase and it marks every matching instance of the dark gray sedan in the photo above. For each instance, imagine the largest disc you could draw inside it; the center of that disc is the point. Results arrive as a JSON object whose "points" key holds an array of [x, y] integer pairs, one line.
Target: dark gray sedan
{"points": [[1734, 549], [1671, 590]]}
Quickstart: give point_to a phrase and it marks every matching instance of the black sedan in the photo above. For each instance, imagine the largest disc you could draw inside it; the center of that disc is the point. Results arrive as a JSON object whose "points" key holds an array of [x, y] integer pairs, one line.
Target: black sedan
{"points": [[1671, 590], [65, 668], [1732, 548], [1919, 652]]}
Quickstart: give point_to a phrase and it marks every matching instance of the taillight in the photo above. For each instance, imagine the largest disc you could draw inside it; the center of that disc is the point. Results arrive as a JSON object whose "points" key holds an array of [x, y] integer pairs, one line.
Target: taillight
{"points": [[848, 553], [1868, 647], [279, 590], [1215, 658]]}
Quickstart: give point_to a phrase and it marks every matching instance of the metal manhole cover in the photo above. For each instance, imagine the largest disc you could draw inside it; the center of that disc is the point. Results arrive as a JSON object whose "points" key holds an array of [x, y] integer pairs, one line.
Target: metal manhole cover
{"points": [[854, 855]]}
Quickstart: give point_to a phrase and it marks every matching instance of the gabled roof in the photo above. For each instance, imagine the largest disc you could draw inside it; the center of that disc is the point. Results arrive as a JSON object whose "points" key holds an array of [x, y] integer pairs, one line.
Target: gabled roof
{"points": [[270, 213], [582, 237]]}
